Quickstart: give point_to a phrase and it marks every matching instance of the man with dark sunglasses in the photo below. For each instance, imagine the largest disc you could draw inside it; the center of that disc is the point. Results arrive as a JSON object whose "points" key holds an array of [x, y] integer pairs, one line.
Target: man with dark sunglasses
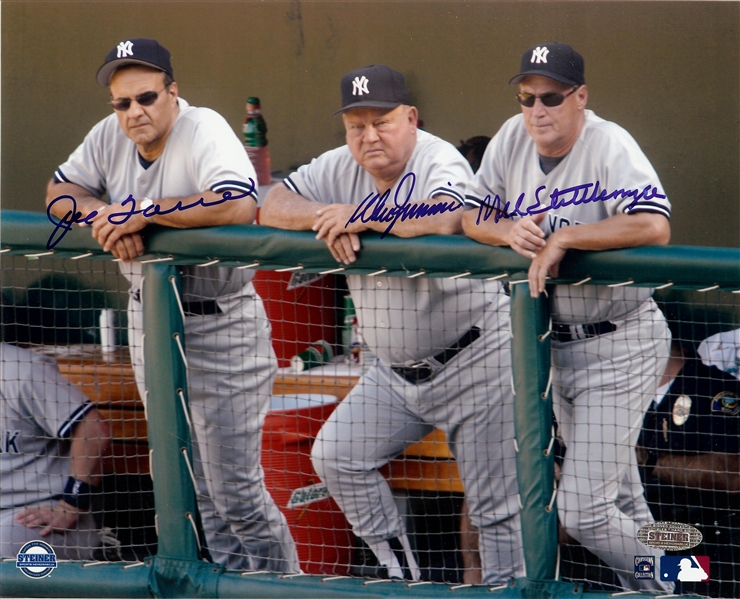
{"points": [[154, 156], [557, 177]]}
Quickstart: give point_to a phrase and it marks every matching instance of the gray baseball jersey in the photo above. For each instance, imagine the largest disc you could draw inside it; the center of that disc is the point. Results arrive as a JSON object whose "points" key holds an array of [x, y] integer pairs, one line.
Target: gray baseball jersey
{"points": [[202, 153], [402, 319], [230, 359], [469, 397], [603, 383], [605, 159], [38, 410]]}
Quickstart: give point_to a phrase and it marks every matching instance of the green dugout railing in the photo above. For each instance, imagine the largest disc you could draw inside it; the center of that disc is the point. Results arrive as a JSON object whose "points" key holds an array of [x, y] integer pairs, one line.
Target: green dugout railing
{"points": [[176, 570]]}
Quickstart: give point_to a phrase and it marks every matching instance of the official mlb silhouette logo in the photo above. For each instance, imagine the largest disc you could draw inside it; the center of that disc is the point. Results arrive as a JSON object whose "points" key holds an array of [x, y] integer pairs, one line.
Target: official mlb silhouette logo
{"points": [[684, 568], [539, 54], [644, 567], [124, 49], [359, 86]]}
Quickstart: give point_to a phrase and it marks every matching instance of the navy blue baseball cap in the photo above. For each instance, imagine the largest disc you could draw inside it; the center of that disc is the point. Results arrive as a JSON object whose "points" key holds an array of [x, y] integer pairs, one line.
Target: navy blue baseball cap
{"points": [[556, 61], [374, 86], [143, 51]]}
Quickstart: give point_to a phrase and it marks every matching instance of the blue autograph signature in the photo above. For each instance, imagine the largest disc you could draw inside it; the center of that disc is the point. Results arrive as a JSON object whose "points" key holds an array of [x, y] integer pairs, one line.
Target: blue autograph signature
{"points": [[559, 198], [402, 210], [63, 225]]}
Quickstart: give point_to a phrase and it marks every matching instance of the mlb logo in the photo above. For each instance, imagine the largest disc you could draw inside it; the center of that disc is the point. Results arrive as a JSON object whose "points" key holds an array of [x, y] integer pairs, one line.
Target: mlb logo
{"points": [[684, 568], [644, 567]]}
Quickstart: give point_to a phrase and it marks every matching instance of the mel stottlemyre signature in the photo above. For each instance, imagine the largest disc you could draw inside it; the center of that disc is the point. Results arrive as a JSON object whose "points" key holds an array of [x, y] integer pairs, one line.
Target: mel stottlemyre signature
{"points": [[559, 198], [63, 225]]}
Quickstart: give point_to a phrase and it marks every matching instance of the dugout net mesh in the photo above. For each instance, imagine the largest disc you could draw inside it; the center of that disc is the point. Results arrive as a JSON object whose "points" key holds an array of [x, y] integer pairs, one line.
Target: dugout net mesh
{"points": [[434, 462]]}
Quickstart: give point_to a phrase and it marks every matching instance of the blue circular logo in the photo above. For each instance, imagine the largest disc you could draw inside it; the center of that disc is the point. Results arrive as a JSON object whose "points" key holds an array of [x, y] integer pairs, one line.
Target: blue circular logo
{"points": [[36, 559]]}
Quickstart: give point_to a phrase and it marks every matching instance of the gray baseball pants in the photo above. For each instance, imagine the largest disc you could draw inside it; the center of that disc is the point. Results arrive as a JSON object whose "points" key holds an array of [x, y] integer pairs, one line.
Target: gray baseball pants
{"points": [[231, 366], [601, 388], [470, 399]]}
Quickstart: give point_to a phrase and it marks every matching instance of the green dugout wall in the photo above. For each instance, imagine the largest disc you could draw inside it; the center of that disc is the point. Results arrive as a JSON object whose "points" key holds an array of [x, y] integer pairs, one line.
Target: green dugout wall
{"points": [[176, 570]]}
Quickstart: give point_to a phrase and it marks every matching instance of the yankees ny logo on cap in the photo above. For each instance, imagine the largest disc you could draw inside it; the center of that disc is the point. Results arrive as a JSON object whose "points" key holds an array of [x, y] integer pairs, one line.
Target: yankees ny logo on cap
{"points": [[359, 86], [553, 60], [125, 49], [140, 50], [539, 54], [388, 89]]}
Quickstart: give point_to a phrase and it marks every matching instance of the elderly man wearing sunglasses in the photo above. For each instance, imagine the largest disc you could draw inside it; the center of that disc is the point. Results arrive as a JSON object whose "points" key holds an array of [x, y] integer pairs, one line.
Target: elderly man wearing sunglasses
{"points": [[158, 155], [557, 177]]}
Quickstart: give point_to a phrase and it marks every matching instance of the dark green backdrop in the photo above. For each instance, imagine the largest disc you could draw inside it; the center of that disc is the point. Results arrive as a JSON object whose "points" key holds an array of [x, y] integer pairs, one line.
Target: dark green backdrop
{"points": [[666, 71]]}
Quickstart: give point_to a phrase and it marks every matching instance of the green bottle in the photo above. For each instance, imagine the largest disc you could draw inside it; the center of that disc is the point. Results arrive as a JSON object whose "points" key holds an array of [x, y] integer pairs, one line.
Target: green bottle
{"points": [[255, 141], [255, 128]]}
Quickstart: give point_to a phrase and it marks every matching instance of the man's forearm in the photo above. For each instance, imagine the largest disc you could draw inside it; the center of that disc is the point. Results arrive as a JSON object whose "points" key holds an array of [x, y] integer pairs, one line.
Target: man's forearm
{"points": [[284, 209], [620, 231], [90, 445], [80, 200], [441, 215], [200, 210], [711, 471], [486, 230]]}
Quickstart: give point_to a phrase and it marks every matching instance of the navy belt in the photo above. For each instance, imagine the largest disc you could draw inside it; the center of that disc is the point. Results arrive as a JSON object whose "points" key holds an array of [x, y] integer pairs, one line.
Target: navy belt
{"points": [[202, 308], [422, 371], [565, 333]]}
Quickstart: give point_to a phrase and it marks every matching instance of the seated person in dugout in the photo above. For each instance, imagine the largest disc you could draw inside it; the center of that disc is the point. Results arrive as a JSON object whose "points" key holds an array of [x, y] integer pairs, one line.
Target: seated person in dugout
{"points": [[441, 345], [51, 455], [689, 458], [557, 177], [690, 461]]}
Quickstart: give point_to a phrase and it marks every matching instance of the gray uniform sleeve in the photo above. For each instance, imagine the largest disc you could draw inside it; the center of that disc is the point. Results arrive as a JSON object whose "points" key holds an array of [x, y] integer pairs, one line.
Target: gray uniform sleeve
{"points": [[219, 160], [626, 167], [443, 170], [54, 403], [318, 180], [35, 386], [488, 181], [86, 166]]}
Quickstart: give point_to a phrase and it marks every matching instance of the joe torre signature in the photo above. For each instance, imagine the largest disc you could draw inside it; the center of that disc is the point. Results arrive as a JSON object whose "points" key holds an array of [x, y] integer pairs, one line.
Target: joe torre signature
{"points": [[559, 198], [63, 225]]}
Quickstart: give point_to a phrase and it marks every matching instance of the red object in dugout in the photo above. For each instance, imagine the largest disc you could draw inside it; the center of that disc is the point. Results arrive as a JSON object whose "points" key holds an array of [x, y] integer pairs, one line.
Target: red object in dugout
{"points": [[322, 534], [298, 316]]}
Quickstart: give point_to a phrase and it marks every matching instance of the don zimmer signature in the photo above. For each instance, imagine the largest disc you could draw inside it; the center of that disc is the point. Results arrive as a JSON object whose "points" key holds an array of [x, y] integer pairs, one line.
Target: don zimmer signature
{"points": [[402, 210], [64, 224]]}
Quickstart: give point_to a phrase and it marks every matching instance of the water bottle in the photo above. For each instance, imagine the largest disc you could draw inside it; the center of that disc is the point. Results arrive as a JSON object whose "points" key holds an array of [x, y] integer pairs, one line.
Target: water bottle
{"points": [[255, 141]]}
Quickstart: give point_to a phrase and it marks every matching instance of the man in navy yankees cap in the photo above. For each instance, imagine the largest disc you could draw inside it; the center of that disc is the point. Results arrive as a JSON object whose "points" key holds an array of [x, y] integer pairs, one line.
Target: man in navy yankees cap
{"points": [[609, 345], [454, 376], [157, 153]]}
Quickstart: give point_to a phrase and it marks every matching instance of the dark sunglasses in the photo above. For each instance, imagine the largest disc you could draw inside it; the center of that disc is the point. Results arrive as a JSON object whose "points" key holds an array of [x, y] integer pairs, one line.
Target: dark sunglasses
{"points": [[550, 99], [145, 99]]}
